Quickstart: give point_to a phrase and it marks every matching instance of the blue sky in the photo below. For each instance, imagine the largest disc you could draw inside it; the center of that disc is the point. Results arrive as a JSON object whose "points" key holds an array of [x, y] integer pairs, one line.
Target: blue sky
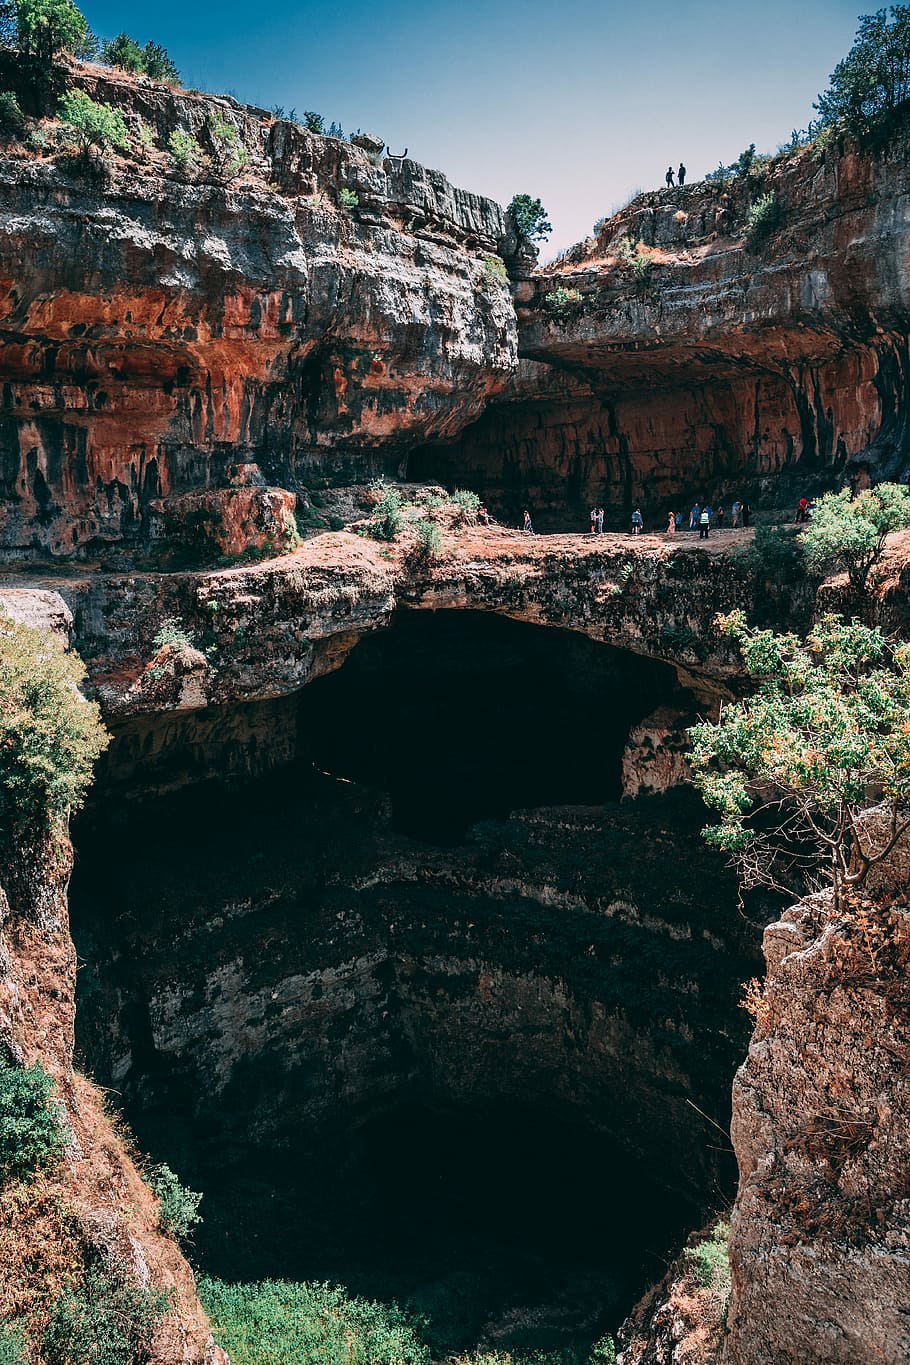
{"points": [[579, 102]]}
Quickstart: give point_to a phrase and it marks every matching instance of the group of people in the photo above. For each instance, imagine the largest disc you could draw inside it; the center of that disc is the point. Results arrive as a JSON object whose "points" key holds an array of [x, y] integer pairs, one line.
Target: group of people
{"points": [[680, 176], [702, 518]]}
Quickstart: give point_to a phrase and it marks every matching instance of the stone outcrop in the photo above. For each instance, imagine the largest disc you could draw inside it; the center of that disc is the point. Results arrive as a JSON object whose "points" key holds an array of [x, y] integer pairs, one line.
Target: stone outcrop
{"points": [[718, 369], [157, 331]]}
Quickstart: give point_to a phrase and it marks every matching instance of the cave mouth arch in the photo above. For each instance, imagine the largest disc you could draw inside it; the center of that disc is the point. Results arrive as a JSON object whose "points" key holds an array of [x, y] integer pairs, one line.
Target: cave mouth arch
{"points": [[463, 716], [454, 1074]]}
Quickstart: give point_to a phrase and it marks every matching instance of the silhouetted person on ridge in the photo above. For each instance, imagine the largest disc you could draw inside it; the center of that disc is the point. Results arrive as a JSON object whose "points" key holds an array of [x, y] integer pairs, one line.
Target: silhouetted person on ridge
{"points": [[669, 177], [681, 174]]}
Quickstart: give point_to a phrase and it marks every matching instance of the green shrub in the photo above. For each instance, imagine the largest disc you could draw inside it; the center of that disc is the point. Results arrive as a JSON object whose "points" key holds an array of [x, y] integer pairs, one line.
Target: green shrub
{"points": [[851, 535], [385, 522], [31, 1134], [467, 505], [562, 303], [104, 1321], [50, 736], [12, 120], [178, 1206], [347, 199], [428, 543], [494, 269], [123, 51], [710, 1259], [172, 632], [313, 122], [530, 218], [764, 218], [775, 554], [158, 64], [676, 638], [185, 151], [868, 87], [278, 1323], [46, 27], [230, 155], [12, 1347], [95, 125], [634, 257]]}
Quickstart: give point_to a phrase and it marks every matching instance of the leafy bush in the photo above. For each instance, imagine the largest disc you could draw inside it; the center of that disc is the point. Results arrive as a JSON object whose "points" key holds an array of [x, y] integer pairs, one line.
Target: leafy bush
{"points": [[313, 122], [775, 554], [278, 1323], [50, 736], [710, 1259], [348, 199], [851, 534], [159, 65], [31, 1135], [46, 27], [428, 543], [95, 125], [868, 86], [530, 218], [634, 256], [12, 1347], [230, 155], [104, 1321], [562, 303], [764, 218], [467, 505], [178, 1207], [790, 769], [494, 268], [172, 632], [185, 151], [12, 120], [385, 522]]}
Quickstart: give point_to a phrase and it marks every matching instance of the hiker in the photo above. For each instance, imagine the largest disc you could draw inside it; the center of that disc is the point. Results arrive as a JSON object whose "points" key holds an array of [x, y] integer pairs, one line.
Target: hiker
{"points": [[704, 523], [801, 510], [637, 522], [719, 518], [671, 523], [734, 513], [669, 177], [747, 513], [681, 174], [679, 521], [527, 522], [483, 515], [593, 521], [600, 521], [693, 517]]}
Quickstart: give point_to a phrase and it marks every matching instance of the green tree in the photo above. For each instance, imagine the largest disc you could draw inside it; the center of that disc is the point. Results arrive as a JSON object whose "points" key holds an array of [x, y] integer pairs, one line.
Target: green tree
{"points": [[530, 218], [793, 768], [46, 27], [95, 125], [50, 736], [178, 1206], [158, 64], [851, 535], [312, 121], [186, 151], [123, 51], [31, 1135], [873, 80]]}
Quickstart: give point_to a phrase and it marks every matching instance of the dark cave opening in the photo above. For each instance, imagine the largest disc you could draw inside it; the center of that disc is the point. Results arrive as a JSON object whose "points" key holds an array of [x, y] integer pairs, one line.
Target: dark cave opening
{"points": [[465, 716], [452, 1074]]}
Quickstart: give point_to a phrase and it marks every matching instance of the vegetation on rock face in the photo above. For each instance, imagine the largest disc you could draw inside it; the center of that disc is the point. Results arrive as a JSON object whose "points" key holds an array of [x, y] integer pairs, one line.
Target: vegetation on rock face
{"points": [[850, 534], [710, 1259], [152, 60], [185, 150], [12, 1347], [229, 154], [50, 736], [178, 1207], [763, 219], [95, 125], [868, 87], [46, 27], [775, 554], [530, 218], [31, 1134], [106, 1320], [385, 522], [562, 303], [12, 121], [348, 199], [792, 769], [279, 1323]]}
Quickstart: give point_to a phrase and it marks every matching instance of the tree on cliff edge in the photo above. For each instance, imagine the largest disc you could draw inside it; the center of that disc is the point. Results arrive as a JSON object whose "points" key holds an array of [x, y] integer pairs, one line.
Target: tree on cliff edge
{"points": [[873, 80], [530, 218], [46, 27], [794, 769]]}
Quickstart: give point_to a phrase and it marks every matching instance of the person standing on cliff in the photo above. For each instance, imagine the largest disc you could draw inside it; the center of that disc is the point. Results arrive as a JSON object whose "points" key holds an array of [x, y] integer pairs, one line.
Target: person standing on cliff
{"points": [[693, 517], [734, 513], [669, 177], [681, 174], [704, 523], [600, 521], [671, 523], [593, 521], [637, 522], [526, 525]]}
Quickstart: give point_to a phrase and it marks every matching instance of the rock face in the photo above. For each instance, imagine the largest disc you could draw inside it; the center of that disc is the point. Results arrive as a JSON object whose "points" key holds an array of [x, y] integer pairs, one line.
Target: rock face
{"points": [[157, 331], [718, 370], [821, 1127]]}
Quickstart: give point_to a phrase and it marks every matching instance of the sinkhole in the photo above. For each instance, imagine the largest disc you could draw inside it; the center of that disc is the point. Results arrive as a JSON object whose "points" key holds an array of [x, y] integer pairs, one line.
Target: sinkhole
{"points": [[422, 1008]]}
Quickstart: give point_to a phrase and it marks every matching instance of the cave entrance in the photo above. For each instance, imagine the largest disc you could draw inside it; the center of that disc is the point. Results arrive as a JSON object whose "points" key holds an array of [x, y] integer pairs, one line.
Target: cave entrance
{"points": [[464, 716]]}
